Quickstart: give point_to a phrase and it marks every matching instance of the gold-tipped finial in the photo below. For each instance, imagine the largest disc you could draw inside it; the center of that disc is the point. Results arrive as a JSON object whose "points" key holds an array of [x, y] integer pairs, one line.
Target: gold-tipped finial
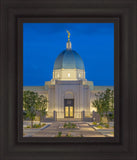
{"points": [[68, 35]]}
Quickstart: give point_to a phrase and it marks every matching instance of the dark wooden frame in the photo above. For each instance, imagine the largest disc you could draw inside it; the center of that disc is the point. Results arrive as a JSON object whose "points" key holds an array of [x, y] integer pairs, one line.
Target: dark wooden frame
{"points": [[123, 145]]}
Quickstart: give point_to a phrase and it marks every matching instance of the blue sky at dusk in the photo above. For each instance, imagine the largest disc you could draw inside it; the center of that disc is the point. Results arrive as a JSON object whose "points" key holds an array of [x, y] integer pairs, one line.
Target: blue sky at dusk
{"points": [[43, 42]]}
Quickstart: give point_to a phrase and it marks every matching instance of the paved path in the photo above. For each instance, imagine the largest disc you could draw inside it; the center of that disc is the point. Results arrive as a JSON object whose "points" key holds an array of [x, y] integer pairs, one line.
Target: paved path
{"points": [[82, 129]]}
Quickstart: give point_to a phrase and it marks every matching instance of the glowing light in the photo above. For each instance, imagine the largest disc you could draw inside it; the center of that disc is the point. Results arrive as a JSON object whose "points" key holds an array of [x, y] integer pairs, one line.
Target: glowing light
{"points": [[79, 75]]}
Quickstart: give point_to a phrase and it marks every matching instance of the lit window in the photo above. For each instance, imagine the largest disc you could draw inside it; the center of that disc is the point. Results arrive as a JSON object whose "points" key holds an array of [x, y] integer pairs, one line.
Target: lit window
{"points": [[68, 74], [79, 75]]}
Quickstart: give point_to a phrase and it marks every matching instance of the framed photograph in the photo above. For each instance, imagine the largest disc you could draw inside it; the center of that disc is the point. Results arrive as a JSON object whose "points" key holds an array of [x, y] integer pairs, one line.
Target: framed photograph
{"points": [[68, 104], [68, 80]]}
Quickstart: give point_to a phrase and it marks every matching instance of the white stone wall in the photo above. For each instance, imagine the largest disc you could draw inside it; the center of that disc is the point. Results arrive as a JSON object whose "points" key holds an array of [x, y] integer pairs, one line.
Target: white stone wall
{"points": [[66, 90], [56, 91], [51, 100]]}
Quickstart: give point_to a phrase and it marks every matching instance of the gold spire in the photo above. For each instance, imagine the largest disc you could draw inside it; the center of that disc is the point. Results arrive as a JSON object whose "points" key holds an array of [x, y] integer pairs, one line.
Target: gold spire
{"points": [[68, 35]]}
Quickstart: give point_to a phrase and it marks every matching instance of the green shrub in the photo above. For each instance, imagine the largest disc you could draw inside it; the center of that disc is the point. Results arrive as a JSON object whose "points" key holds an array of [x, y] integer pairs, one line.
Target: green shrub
{"points": [[36, 126], [59, 134], [106, 125], [94, 123], [73, 125], [65, 125], [43, 124], [28, 126], [68, 135], [99, 126], [69, 125], [101, 123]]}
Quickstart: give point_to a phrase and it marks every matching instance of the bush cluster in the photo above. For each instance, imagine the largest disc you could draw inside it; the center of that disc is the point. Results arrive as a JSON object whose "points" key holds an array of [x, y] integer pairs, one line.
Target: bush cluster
{"points": [[94, 123], [69, 125]]}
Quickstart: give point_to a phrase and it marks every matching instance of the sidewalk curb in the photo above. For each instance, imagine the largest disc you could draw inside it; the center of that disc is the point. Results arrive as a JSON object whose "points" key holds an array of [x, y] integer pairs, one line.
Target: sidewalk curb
{"points": [[46, 126], [107, 135]]}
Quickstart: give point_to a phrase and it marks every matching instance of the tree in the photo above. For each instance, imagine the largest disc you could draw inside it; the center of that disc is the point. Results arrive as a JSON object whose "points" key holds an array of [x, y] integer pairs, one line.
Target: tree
{"points": [[104, 102], [42, 104], [112, 104], [30, 101], [97, 104], [100, 106]]}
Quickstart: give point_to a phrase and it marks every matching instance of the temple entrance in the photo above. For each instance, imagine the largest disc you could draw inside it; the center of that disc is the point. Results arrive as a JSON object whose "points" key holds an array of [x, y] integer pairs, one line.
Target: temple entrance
{"points": [[68, 108]]}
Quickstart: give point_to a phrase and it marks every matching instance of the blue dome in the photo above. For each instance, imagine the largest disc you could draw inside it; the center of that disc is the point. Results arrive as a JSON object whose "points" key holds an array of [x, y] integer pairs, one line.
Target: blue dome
{"points": [[69, 59]]}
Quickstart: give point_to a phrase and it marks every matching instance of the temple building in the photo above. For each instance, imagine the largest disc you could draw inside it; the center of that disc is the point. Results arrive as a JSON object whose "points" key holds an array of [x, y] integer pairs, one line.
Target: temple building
{"points": [[69, 93]]}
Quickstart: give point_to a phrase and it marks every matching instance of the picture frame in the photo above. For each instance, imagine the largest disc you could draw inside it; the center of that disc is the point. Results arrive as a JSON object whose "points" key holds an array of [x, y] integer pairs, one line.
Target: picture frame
{"points": [[22, 139], [123, 145]]}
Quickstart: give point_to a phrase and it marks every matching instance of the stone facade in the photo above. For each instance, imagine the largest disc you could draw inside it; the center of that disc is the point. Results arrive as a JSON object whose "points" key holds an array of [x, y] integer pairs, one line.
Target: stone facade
{"points": [[83, 93]]}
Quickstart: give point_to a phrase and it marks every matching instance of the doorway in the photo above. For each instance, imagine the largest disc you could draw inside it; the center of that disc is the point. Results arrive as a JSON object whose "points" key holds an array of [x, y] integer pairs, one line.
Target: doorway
{"points": [[68, 108]]}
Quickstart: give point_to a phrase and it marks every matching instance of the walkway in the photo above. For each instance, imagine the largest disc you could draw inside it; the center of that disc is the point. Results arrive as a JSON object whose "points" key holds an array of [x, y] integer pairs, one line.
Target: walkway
{"points": [[82, 129]]}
